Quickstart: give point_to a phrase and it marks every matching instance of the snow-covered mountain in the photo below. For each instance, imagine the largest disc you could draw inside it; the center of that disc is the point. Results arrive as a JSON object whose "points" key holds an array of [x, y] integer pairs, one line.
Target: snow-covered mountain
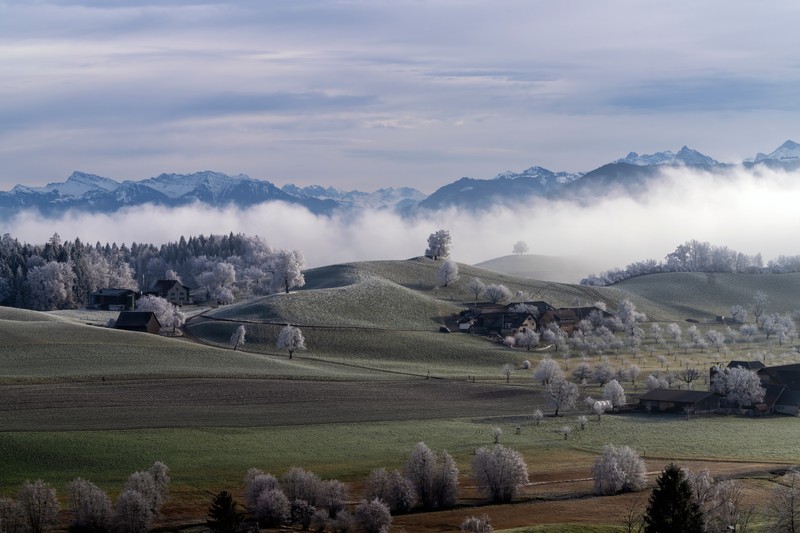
{"points": [[685, 156], [630, 175], [388, 198]]}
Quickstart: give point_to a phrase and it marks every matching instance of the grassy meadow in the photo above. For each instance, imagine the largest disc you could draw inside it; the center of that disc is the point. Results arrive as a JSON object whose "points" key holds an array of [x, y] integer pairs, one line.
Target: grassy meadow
{"points": [[377, 377]]}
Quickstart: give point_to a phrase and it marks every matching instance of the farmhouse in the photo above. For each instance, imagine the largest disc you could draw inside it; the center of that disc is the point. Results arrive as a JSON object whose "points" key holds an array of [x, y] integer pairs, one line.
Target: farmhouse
{"points": [[787, 379], [676, 400], [113, 299], [171, 290], [144, 321]]}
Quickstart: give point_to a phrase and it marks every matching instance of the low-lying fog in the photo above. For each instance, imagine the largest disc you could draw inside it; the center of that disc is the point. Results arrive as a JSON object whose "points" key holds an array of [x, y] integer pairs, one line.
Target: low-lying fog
{"points": [[746, 211]]}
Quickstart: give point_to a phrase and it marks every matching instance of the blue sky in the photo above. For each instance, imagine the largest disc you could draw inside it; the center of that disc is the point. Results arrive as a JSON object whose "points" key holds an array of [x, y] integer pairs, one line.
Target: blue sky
{"points": [[364, 94]]}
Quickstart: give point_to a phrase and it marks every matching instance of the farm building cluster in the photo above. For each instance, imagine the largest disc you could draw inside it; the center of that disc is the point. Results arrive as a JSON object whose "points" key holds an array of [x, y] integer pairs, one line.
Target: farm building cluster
{"points": [[510, 319], [781, 393]]}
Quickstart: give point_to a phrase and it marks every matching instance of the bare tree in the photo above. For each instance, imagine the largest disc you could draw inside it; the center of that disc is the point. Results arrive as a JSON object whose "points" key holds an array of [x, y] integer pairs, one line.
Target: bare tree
{"points": [[499, 472], [421, 471], [255, 483], [291, 339], [272, 508], [445, 487], [603, 372], [561, 394], [619, 469], [759, 305], [237, 339], [783, 508], [11, 518], [448, 272], [300, 484], [689, 375], [507, 370], [39, 505], [738, 314]]}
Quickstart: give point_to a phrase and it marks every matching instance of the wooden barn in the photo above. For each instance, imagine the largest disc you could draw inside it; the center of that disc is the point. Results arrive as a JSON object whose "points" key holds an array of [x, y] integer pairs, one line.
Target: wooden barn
{"points": [[113, 299], [144, 321], [679, 401]]}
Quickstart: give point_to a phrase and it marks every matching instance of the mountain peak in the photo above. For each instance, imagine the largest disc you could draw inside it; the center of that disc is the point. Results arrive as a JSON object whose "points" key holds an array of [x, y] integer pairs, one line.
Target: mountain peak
{"points": [[788, 151]]}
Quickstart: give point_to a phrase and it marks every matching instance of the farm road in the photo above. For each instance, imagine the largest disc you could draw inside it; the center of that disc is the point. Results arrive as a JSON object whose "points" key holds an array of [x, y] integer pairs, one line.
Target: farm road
{"points": [[187, 402]]}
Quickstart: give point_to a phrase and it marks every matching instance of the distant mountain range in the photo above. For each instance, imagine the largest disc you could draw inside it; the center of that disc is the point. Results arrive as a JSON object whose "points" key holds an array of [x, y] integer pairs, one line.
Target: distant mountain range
{"points": [[630, 175]]}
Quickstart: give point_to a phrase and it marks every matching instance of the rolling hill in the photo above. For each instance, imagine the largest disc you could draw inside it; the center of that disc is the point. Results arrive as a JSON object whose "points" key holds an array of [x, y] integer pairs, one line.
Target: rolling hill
{"points": [[540, 267]]}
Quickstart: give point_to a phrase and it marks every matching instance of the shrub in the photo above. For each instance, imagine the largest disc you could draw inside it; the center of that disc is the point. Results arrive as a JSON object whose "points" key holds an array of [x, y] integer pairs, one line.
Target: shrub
{"points": [[475, 524]]}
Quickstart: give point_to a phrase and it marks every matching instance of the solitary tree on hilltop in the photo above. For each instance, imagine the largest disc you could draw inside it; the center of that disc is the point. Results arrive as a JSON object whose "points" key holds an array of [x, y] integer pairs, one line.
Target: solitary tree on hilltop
{"points": [[291, 339], [439, 244], [287, 271], [521, 247]]}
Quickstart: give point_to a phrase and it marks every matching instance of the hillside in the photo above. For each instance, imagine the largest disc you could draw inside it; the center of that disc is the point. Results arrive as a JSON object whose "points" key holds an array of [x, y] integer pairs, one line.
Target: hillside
{"points": [[540, 267], [702, 296]]}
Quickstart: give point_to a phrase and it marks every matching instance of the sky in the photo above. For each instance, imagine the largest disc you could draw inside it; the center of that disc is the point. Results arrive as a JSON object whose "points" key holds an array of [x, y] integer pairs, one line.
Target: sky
{"points": [[360, 94]]}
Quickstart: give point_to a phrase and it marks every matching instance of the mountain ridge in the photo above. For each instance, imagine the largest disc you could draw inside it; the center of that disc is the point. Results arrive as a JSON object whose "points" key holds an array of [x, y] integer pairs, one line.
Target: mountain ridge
{"points": [[632, 174]]}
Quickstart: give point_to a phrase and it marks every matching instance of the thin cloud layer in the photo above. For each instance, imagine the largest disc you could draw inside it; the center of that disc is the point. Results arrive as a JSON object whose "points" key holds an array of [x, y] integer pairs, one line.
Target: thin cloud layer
{"points": [[374, 94], [749, 212]]}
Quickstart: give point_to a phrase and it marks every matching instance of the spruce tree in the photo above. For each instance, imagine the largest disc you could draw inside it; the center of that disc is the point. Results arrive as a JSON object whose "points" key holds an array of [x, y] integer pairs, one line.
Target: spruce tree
{"points": [[671, 506], [224, 515]]}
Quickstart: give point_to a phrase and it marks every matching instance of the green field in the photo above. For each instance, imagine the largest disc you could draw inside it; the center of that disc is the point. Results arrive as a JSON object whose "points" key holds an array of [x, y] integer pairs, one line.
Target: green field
{"points": [[89, 401]]}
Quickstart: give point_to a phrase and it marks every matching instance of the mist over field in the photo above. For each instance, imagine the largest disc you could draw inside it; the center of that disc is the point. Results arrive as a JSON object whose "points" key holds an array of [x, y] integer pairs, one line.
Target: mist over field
{"points": [[749, 211]]}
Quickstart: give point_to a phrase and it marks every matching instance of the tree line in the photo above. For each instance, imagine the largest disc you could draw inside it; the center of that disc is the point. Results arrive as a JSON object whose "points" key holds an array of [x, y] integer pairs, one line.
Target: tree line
{"points": [[61, 274], [697, 256]]}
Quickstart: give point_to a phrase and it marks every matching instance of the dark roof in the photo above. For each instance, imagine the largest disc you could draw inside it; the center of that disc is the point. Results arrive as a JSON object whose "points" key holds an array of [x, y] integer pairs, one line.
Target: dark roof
{"points": [[749, 365], [675, 395], [788, 375], [584, 312], [789, 397], [113, 292], [164, 285], [131, 319], [498, 320]]}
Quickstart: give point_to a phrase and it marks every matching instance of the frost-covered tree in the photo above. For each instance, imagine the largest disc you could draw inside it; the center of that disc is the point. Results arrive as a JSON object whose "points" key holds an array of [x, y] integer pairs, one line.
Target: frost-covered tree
{"points": [[497, 293], [674, 331], [548, 371], [89, 506], [445, 486], [613, 392], [291, 339], [476, 287], [537, 417], [619, 469], [272, 508], [373, 516], [476, 524], [219, 279], [499, 472], [521, 247], [39, 505], [440, 244], [633, 373], [748, 331], [759, 305], [689, 375], [560, 394], [287, 271], [237, 339], [255, 483], [738, 385], [582, 372], [300, 484], [420, 469], [603, 372], [50, 286], [11, 519], [392, 488], [132, 513], [448, 272], [527, 339], [168, 314], [738, 313]]}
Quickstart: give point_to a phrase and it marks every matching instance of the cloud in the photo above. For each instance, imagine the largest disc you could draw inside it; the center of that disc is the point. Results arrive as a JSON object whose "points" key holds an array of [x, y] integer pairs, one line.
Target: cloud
{"points": [[748, 211]]}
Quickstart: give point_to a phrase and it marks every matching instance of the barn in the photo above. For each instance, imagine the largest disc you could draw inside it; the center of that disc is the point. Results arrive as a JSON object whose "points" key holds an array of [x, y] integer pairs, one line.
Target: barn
{"points": [[679, 401]]}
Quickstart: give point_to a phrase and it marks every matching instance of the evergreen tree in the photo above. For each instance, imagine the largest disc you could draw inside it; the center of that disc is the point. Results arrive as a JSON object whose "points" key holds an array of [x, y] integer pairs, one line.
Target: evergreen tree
{"points": [[224, 514], [671, 506]]}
